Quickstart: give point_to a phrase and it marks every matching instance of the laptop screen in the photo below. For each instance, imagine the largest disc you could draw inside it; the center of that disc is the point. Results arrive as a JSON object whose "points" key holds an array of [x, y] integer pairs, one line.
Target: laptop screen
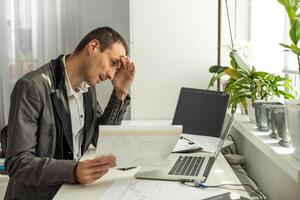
{"points": [[201, 112]]}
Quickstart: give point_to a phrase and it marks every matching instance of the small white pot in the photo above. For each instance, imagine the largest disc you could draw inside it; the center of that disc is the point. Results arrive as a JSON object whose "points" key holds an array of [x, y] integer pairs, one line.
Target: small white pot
{"points": [[251, 111], [240, 107], [293, 124]]}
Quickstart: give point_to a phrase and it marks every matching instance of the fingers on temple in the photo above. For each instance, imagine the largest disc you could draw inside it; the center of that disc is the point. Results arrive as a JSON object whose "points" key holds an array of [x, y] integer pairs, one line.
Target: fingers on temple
{"points": [[132, 66], [127, 63]]}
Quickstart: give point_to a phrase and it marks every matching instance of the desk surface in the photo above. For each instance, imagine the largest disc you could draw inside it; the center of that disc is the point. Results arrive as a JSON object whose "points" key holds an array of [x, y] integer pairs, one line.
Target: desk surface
{"points": [[221, 173]]}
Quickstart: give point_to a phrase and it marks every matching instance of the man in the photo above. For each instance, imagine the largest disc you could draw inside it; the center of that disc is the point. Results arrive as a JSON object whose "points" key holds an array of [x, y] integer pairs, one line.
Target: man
{"points": [[54, 116]]}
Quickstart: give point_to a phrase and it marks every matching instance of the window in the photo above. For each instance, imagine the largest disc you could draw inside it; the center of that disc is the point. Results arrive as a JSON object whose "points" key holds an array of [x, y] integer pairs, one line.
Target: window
{"points": [[266, 32], [33, 32], [269, 27]]}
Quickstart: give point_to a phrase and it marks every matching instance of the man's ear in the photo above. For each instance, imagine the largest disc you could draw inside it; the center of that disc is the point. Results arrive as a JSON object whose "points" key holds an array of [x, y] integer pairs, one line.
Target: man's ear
{"points": [[93, 46]]}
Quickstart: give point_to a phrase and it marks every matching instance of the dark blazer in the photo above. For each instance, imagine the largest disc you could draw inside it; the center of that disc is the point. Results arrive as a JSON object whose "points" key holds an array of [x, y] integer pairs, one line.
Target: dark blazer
{"points": [[39, 155]]}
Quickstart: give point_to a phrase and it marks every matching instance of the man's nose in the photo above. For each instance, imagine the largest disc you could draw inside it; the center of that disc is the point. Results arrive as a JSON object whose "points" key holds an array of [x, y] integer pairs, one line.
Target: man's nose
{"points": [[111, 74]]}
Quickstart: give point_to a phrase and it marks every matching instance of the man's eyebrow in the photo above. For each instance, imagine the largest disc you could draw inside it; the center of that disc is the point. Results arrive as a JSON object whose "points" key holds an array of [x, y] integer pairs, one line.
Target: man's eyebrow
{"points": [[115, 60]]}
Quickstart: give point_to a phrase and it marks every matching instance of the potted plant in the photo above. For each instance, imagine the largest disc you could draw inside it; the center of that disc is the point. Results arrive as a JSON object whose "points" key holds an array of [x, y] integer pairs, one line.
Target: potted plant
{"points": [[293, 106], [245, 82]]}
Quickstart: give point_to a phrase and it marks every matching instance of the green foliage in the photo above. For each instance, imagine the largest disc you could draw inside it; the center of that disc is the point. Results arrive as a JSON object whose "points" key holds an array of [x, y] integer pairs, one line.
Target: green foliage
{"points": [[245, 82], [239, 64], [291, 8]]}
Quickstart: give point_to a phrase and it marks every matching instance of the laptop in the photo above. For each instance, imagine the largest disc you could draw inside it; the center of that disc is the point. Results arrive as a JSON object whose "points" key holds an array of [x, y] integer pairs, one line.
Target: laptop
{"points": [[201, 112], [194, 166]]}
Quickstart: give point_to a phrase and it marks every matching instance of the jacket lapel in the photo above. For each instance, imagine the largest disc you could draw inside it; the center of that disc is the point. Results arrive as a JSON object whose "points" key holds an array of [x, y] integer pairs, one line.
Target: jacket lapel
{"points": [[89, 115], [60, 100], [61, 107]]}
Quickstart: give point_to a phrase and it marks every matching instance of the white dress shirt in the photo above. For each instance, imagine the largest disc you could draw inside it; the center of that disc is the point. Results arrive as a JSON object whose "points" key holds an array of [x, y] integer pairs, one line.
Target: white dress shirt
{"points": [[76, 107]]}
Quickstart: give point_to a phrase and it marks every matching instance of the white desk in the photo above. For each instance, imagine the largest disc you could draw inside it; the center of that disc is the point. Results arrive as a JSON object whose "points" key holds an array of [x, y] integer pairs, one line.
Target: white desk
{"points": [[221, 173]]}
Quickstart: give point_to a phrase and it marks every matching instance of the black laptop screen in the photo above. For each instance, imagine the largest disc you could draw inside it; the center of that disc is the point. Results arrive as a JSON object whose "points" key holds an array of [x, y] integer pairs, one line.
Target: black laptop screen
{"points": [[201, 112]]}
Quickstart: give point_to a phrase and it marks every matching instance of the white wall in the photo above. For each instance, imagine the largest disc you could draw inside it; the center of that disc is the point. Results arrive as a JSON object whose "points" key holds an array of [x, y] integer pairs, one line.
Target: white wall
{"points": [[112, 13], [174, 43]]}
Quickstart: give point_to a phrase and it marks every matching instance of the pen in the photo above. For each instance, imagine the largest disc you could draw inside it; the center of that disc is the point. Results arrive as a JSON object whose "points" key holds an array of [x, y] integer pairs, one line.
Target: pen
{"points": [[126, 168], [189, 141]]}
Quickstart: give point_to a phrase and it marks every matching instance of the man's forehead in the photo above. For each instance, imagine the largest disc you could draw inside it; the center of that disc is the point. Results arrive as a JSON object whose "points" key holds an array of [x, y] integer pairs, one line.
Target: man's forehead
{"points": [[117, 51]]}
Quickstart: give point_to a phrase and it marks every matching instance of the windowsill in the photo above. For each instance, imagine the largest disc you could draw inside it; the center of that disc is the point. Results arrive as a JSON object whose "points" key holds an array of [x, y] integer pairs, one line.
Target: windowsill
{"points": [[280, 155]]}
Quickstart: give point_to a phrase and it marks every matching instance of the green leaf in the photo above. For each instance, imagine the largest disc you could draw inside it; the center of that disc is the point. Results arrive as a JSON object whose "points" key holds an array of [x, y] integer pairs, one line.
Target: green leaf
{"points": [[283, 2], [260, 73], [295, 31], [232, 73], [285, 45], [241, 65], [290, 6], [216, 69], [288, 86], [244, 104], [253, 70], [214, 78], [286, 95], [295, 49], [232, 63]]}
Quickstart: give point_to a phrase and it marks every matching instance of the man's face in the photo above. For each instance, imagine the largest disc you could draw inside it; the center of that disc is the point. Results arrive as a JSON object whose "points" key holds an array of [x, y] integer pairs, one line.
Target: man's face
{"points": [[103, 65]]}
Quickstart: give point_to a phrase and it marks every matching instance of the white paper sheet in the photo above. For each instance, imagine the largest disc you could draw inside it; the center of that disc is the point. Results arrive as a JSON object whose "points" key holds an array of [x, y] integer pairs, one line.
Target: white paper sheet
{"points": [[208, 143], [133, 190], [138, 146], [183, 144], [137, 189]]}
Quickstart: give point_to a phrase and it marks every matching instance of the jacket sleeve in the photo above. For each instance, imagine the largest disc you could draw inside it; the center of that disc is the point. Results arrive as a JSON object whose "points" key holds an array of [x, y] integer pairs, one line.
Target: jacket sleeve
{"points": [[112, 115], [114, 111], [22, 163]]}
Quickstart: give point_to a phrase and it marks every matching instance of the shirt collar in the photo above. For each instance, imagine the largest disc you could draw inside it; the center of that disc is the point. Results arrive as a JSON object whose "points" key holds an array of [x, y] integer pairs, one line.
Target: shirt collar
{"points": [[83, 88]]}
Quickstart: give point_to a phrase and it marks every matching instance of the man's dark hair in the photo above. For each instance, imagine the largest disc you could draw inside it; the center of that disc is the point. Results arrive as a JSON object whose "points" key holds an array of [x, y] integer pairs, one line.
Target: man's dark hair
{"points": [[105, 35]]}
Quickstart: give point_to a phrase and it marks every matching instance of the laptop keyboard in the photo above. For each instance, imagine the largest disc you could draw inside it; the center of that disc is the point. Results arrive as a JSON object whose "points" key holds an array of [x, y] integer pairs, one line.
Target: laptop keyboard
{"points": [[209, 166], [187, 166]]}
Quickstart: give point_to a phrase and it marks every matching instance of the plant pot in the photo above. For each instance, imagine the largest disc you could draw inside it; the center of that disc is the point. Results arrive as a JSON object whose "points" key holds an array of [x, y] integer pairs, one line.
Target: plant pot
{"points": [[280, 125], [261, 114], [293, 124], [270, 109]]}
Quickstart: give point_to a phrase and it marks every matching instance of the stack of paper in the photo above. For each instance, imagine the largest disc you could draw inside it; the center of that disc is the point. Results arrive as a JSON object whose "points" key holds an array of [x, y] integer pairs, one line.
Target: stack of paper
{"points": [[186, 146]]}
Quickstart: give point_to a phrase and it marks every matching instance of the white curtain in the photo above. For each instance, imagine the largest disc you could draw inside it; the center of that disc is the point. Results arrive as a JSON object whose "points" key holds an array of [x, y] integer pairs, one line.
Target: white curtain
{"points": [[32, 32]]}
